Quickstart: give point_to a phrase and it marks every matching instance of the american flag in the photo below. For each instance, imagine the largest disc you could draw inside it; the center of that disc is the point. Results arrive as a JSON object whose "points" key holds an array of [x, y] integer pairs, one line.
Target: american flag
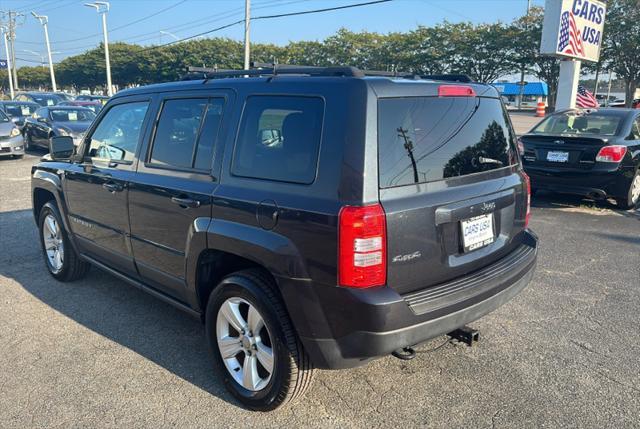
{"points": [[570, 42], [585, 98]]}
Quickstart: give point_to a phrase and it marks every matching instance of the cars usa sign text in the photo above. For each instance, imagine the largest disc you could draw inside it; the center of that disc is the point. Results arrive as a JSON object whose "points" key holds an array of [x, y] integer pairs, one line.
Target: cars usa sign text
{"points": [[573, 29]]}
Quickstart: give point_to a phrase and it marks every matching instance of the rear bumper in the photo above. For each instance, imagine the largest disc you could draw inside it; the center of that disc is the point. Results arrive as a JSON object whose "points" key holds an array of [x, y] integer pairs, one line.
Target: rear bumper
{"points": [[600, 184], [344, 328]]}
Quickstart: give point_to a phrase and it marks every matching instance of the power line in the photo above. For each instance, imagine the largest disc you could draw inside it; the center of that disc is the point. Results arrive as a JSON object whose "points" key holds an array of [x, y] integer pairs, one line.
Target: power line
{"points": [[232, 12], [190, 24], [149, 16], [280, 15]]}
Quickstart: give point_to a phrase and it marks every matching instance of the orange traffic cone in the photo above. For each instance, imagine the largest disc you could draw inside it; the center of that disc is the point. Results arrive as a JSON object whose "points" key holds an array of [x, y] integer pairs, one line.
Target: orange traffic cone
{"points": [[540, 110]]}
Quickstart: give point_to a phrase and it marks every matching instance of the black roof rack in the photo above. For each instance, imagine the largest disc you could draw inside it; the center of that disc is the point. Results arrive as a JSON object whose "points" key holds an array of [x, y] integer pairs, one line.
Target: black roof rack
{"points": [[261, 69], [273, 69]]}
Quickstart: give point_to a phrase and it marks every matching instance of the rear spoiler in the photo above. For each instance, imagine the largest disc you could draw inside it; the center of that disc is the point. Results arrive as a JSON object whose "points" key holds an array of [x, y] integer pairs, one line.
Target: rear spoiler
{"points": [[570, 139]]}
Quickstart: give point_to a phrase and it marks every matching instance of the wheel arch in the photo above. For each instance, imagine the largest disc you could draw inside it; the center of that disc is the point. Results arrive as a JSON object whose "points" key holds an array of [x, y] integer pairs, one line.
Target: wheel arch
{"points": [[47, 186], [227, 247]]}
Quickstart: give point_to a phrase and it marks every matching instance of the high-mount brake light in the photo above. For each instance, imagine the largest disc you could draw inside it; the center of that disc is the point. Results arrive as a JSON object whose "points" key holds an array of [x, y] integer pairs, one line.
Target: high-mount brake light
{"points": [[362, 247], [613, 153], [456, 91]]}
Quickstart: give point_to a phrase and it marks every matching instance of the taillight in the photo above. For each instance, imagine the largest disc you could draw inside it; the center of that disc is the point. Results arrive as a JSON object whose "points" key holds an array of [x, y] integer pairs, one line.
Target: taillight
{"points": [[527, 182], [456, 91], [362, 247], [613, 153]]}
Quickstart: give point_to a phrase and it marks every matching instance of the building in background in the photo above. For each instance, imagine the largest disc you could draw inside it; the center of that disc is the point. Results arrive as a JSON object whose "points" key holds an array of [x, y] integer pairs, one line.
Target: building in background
{"points": [[533, 93]]}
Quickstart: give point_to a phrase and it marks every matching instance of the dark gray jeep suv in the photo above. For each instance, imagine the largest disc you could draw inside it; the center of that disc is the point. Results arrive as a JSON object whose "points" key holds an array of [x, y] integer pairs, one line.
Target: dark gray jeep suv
{"points": [[312, 217]]}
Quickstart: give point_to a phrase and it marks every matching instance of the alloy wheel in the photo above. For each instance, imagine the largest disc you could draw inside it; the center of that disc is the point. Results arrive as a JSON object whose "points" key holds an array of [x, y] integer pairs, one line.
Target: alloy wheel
{"points": [[53, 243], [245, 344], [635, 189]]}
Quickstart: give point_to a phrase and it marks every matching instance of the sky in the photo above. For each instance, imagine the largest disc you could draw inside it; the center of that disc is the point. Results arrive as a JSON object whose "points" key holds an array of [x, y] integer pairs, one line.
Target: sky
{"points": [[74, 28]]}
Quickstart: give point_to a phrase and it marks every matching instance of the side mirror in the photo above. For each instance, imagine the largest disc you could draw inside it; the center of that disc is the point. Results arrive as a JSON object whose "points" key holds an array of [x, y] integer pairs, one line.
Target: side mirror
{"points": [[61, 148], [43, 120]]}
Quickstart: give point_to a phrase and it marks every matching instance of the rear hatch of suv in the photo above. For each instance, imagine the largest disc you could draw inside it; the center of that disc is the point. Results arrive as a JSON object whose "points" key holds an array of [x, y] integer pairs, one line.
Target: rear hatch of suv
{"points": [[450, 184]]}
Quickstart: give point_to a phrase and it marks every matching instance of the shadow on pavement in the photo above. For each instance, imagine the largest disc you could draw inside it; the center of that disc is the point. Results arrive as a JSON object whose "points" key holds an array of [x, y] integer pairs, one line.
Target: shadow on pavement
{"points": [[550, 200], [111, 308]]}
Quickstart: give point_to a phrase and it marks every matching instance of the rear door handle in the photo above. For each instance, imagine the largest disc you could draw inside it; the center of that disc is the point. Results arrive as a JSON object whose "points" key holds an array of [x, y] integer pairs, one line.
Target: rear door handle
{"points": [[112, 187], [185, 202]]}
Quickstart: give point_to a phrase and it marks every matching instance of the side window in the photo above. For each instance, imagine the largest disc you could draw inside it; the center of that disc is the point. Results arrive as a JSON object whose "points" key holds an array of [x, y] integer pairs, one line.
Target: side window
{"points": [[116, 136], [186, 133], [41, 113], [279, 138], [635, 129], [209, 134]]}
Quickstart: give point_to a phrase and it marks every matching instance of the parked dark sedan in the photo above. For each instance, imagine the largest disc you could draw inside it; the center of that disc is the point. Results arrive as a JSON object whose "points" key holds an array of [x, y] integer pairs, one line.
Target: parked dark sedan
{"points": [[48, 122], [100, 98], [42, 98], [93, 105], [593, 152], [18, 111]]}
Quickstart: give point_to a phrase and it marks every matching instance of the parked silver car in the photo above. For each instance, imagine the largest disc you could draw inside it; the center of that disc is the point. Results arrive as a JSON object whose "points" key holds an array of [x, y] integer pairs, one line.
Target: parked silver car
{"points": [[11, 140]]}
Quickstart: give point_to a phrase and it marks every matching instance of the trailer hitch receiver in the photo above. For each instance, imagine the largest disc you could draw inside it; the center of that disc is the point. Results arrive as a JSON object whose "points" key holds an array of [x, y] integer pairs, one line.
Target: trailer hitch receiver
{"points": [[465, 335]]}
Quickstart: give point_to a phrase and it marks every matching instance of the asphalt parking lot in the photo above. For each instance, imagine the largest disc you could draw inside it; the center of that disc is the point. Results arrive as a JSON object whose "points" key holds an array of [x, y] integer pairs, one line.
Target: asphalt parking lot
{"points": [[98, 353]]}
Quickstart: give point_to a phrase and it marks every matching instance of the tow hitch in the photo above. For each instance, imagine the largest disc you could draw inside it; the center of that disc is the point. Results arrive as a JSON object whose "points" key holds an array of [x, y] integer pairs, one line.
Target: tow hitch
{"points": [[405, 353], [465, 335]]}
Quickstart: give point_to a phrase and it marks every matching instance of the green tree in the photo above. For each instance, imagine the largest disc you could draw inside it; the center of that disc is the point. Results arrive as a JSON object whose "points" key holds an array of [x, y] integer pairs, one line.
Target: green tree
{"points": [[525, 36], [622, 43], [481, 51]]}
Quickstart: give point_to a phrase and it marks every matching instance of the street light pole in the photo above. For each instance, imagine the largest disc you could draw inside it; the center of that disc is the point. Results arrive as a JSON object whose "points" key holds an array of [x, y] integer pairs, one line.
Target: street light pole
{"points": [[168, 33], [247, 25], [102, 7], [6, 50], [44, 20]]}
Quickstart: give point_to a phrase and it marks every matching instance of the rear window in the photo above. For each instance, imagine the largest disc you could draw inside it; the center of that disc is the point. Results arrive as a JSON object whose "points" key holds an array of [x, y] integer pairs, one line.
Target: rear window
{"points": [[579, 123], [279, 138], [68, 115], [19, 109], [426, 139]]}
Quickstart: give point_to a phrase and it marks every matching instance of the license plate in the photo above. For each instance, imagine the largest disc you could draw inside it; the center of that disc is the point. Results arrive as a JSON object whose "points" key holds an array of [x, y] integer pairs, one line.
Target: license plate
{"points": [[477, 232], [554, 156]]}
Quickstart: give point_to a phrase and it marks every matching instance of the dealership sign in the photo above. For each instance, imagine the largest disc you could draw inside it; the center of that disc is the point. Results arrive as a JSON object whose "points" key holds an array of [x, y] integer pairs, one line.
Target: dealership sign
{"points": [[573, 29]]}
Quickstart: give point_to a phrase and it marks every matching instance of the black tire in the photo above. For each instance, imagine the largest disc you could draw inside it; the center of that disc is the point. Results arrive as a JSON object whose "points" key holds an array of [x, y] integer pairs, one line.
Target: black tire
{"points": [[73, 267], [28, 144], [18, 156], [629, 202], [292, 369]]}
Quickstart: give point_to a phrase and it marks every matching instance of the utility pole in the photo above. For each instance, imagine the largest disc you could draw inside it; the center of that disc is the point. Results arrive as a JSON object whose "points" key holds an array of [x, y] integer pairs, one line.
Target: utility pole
{"points": [[522, 69], [12, 20], [609, 88], [247, 25], [44, 20], [102, 7], [6, 50]]}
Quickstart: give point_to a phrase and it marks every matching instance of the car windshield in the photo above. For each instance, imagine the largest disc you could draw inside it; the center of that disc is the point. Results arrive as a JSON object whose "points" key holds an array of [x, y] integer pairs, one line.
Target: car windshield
{"points": [[579, 123], [46, 100], [19, 109], [3, 117], [71, 115]]}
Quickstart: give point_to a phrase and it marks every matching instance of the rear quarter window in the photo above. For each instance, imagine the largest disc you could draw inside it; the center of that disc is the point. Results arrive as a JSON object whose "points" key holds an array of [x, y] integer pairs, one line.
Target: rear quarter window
{"points": [[279, 138], [426, 139]]}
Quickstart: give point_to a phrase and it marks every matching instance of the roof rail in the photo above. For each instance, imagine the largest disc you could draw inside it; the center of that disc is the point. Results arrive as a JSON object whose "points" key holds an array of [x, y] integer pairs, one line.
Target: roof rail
{"points": [[273, 69], [263, 69]]}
